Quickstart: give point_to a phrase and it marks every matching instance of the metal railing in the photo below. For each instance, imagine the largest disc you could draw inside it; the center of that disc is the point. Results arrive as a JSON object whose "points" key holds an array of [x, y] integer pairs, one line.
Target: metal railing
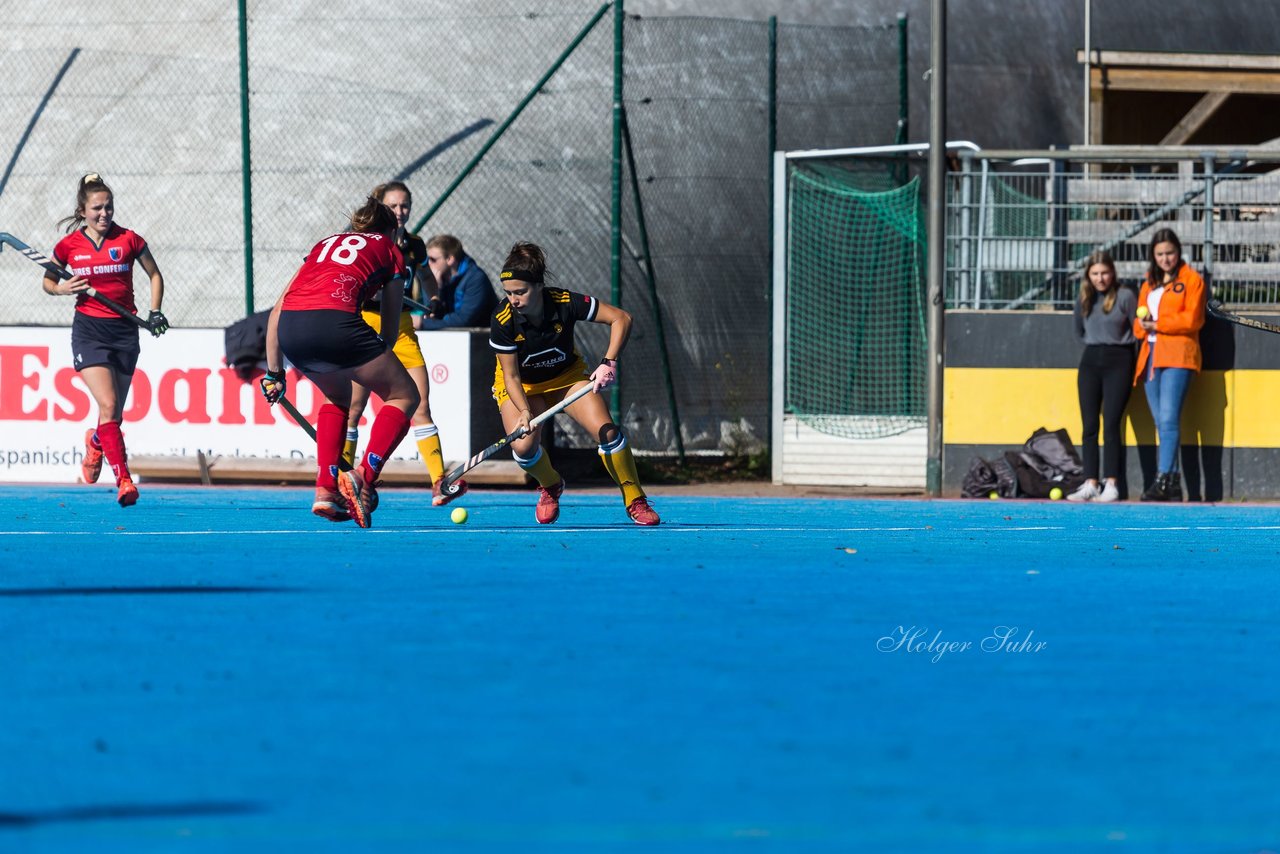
{"points": [[1020, 223]]}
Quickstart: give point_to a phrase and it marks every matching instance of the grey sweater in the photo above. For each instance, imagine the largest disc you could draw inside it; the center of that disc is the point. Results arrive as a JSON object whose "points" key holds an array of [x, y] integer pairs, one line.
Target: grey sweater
{"points": [[1101, 327]]}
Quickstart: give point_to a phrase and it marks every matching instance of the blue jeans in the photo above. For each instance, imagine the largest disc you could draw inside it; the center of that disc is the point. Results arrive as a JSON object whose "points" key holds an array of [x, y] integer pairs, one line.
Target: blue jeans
{"points": [[1165, 392]]}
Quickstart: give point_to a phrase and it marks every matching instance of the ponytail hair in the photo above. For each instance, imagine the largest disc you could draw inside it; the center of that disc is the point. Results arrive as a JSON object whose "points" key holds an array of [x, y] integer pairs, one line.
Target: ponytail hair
{"points": [[525, 262], [373, 217], [89, 184]]}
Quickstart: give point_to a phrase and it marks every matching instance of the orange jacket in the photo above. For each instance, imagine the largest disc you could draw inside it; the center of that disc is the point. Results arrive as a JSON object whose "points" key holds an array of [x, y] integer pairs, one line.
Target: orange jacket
{"points": [[1178, 323]]}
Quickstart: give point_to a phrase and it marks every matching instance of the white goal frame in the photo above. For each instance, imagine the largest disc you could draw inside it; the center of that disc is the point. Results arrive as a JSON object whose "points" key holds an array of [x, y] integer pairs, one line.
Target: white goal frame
{"points": [[799, 454]]}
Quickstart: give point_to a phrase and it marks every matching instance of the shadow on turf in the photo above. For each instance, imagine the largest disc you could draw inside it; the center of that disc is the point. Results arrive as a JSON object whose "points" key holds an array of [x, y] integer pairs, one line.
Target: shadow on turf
{"points": [[101, 812], [163, 590]]}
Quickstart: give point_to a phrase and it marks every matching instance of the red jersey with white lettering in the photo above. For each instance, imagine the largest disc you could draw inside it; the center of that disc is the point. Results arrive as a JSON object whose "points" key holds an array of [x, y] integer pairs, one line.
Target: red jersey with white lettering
{"points": [[344, 270], [108, 267]]}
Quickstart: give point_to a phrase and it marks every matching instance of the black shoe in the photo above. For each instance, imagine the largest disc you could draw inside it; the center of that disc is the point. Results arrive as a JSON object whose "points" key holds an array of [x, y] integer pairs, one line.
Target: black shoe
{"points": [[1167, 487]]}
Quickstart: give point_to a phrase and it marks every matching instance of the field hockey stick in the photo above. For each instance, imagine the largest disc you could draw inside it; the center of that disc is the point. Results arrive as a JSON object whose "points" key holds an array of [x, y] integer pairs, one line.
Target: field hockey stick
{"points": [[449, 485], [306, 425], [59, 272], [1219, 311]]}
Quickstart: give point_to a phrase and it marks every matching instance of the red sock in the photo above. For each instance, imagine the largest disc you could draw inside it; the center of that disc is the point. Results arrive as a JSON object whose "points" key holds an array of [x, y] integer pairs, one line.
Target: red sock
{"points": [[389, 428], [112, 441], [331, 432]]}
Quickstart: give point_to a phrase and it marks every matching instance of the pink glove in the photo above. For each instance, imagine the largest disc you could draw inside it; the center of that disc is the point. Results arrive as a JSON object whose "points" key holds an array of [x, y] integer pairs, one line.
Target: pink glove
{"points": [[605, 375]]}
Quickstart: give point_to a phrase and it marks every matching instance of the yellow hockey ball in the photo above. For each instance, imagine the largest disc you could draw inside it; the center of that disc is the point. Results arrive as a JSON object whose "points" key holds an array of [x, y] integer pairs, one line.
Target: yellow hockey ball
{"points": [[459, 515], [1143, 311], [1055, 493]]}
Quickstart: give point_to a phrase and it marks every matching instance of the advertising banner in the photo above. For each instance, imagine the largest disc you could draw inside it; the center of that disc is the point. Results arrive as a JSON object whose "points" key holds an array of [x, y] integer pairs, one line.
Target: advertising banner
{"points": [[185, 399]]}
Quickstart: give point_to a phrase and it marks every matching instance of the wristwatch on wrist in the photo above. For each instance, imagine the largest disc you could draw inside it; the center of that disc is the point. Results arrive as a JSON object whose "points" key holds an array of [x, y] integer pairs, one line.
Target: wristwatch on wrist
{"points": [[607, 362]]}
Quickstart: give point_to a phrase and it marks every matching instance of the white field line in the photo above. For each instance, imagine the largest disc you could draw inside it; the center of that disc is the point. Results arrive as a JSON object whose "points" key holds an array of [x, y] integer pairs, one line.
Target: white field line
{"points": [[674, 528]]}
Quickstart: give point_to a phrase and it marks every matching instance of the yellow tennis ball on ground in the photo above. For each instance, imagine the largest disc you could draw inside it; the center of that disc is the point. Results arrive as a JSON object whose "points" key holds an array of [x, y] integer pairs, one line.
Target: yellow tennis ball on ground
{"points": [[993, 495], [1143, 311], [1055, 493], [459, 515]]}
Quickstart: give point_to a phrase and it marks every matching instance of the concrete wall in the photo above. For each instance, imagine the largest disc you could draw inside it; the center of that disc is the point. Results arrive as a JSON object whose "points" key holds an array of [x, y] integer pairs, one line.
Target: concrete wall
{"points": [[1010, 372]]}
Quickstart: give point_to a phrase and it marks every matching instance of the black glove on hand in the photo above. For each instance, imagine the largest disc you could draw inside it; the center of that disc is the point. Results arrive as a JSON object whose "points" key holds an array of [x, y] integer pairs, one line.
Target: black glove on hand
{"points": [[273, 385], [158, 322]]}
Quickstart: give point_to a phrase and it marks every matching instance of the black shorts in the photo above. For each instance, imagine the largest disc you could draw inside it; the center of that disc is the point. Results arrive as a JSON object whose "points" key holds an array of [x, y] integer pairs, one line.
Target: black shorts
{"points": [[108, 341], [322, 341]]}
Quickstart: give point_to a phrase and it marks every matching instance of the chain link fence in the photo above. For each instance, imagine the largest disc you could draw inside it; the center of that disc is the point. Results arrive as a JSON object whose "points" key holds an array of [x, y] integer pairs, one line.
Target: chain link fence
{"points": [[340, 99]]}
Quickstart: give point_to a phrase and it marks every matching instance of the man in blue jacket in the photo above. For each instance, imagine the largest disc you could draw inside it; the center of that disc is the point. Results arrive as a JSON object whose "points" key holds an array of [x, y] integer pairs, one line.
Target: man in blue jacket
{"points": [[464, 296]]}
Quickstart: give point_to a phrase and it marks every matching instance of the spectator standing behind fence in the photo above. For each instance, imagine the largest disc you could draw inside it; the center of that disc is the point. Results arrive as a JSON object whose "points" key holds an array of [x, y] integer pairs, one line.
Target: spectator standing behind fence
{"points": [[100, 254], [464, 295], [396, 196], [1104, 315], [1174, 296]]}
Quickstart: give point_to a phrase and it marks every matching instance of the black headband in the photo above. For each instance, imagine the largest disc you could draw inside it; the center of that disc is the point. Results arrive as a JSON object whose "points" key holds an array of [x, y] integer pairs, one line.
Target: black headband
{"points": [[520, 276]]}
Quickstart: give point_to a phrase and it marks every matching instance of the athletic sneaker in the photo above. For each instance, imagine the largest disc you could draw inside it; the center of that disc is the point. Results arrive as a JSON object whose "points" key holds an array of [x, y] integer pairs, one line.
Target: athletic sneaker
{"points": [[548, 509], [362, 498], [91, 467], [1110, 492], [440, 498], [330, 505], [128, 494], [642, 513], [1088, 491]]}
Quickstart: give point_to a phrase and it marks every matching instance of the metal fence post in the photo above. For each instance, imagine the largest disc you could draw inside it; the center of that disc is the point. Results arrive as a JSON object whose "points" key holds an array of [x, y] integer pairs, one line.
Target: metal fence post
{"points": [[937, 300], [984, 222], [965, 278], [1206, 263], [246, 172], [1057, 227]]}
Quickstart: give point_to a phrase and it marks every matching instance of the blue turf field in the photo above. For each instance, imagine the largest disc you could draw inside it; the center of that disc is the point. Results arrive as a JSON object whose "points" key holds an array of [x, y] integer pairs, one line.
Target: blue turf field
{"points": [[217, 670]]}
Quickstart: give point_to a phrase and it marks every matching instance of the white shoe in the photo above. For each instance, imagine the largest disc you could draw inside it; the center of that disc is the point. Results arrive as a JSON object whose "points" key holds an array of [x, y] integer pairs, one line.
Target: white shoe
{"points": [[1088, 491], [1109, 493]]}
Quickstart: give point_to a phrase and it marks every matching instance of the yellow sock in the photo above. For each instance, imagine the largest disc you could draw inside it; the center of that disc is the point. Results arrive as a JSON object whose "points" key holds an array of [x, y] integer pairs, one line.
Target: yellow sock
{"points": [[539, 468], [621, 466], [349, 447], [428, 439]]}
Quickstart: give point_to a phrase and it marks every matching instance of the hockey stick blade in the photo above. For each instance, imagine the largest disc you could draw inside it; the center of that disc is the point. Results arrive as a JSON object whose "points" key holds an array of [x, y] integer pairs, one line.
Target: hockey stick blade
{"points": [[51, 267], [1219, 311], [449, 485], [287, 405]]}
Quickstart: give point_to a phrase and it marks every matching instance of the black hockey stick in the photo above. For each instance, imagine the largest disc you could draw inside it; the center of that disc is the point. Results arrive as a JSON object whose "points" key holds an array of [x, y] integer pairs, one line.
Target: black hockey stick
{"points": [[306, 425], [53, 268], [1217, 309], [449, 485]]}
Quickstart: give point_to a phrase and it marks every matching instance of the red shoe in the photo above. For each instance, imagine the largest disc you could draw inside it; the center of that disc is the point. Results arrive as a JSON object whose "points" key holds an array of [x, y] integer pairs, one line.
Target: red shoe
{"points": [[330, 505], [548, 509], [641, 513], [128, 494], [440, 498], [91, 467], [362, 498]]}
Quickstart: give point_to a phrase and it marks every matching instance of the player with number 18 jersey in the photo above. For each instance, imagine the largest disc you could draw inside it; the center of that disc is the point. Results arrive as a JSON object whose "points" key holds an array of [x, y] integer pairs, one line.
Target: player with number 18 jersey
{"points": [[316, 325], [342, 271]]}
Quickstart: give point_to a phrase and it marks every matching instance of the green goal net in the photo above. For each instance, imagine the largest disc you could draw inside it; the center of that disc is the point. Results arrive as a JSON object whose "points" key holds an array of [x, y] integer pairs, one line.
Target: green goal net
{"points": [[855, 349]]}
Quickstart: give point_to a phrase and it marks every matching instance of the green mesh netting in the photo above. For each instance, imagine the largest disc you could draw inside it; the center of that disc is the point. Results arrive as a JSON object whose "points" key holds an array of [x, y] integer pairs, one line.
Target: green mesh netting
{"points": [[856, 343]]}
